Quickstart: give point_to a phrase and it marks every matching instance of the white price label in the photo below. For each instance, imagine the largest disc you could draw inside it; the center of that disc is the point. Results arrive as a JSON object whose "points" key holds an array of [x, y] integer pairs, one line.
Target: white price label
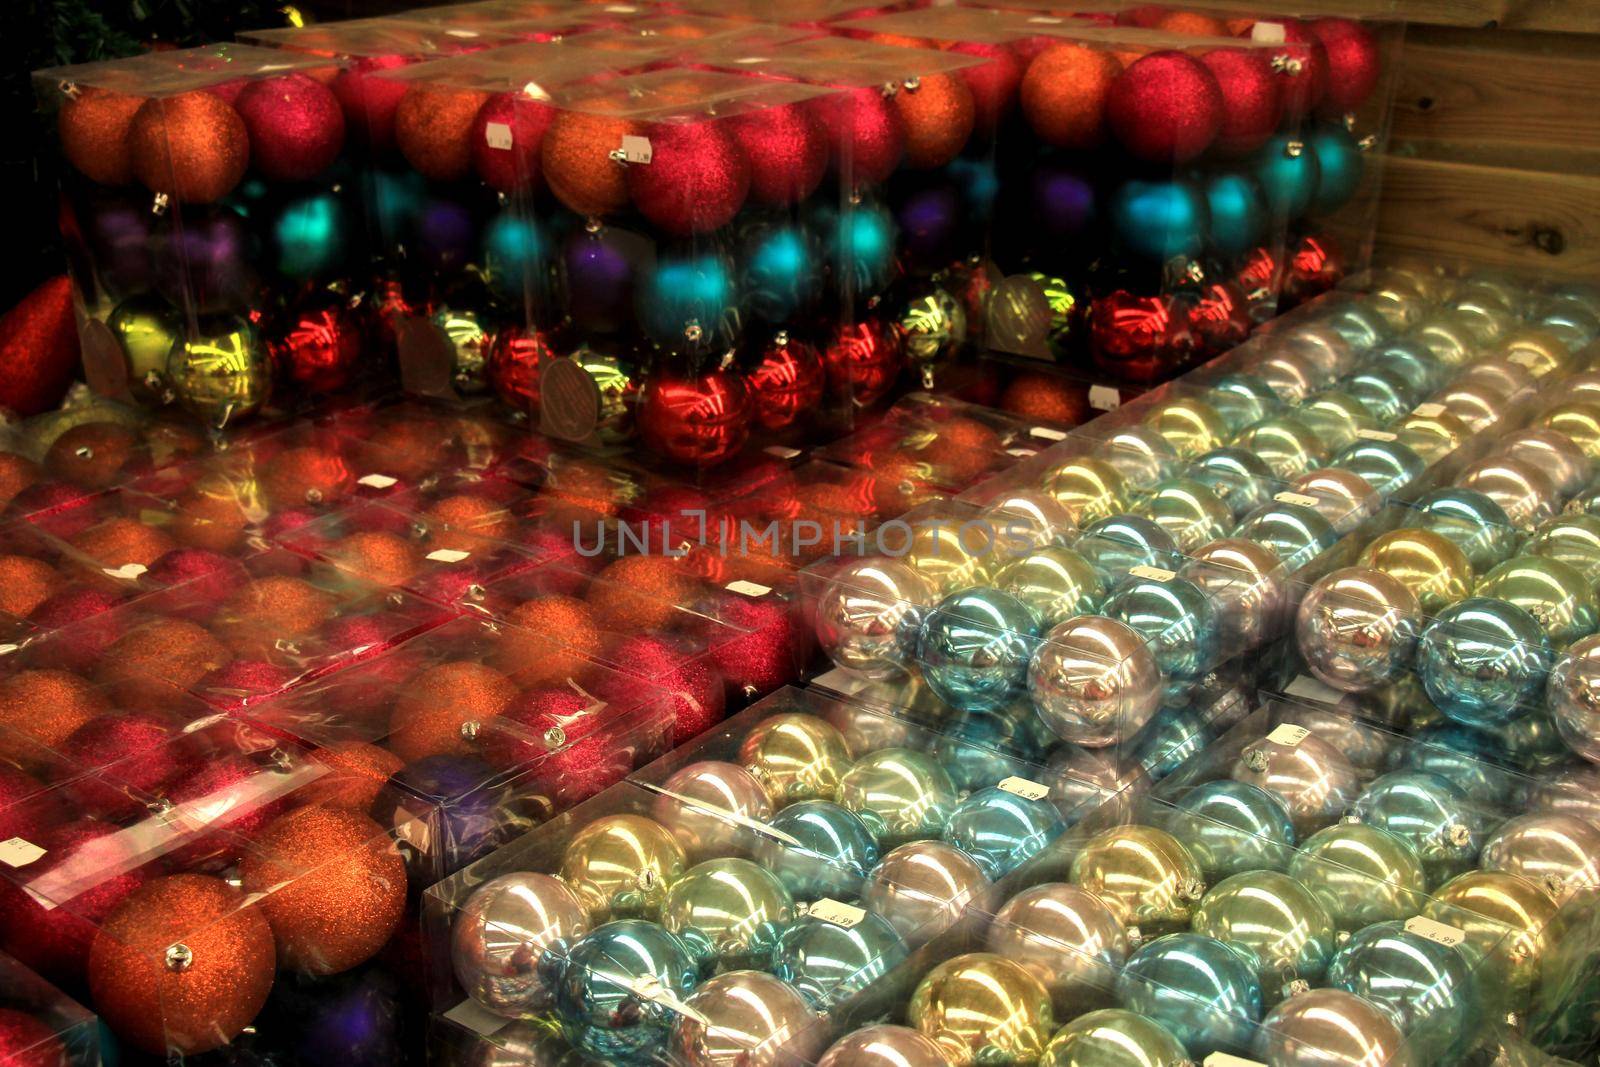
{"points": [[1155, 574], [781, 451], [1288, 734], [636, 149], [1376, 435], [1104, 397], [480, 1020], [1022, 453], [745, 588], [1429, 410], [1523, 358], [1049, 433], [1224, 1059], [19, 852], [1434, 930], [447, 555], [1267, 33], [1308, 688], [1024, 788], [497, 135], [842, 681], [127, 572], [1046, 20], [837, 912], [376, 481], [1302, 499]]}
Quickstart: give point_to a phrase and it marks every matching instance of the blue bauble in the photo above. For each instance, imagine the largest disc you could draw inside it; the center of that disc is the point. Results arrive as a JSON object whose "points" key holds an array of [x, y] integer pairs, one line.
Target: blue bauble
{"points": [[825, 849], [1387, 466], [1238, 215], [600, 270], [1117, 543], [1429, 814], [514, 253], [861, 247], [311, 236], [976, 748], [1169, 739], [1240, 478], [1202, 990], [1339, 167], [1232, 827], [689, 300], [447, 235], [1297, 533], [354, 1019], [929, 222], [974, 648], [396, 203], [598, 996], [1288, 173], [1001, 830], [1483, 662], [464, 810], [1470, 520], [1426, 987], [979, 182], [1175, 617], [1159, 220], [782, 272], [1465, 758], [829, 963]]}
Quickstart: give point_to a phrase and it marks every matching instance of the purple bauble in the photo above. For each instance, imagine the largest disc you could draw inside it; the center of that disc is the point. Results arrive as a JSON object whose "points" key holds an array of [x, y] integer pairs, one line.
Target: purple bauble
{"points": [[355, 1019], [206, 258], [928, 220], [1064, 200], [118, 242], [600, 271], [446, 235], [452, 811]]}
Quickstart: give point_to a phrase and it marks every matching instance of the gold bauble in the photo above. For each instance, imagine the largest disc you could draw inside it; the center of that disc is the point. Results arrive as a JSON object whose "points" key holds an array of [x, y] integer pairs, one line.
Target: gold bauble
{"points": [[983, 1009], [796, 757], [1427, 563], [620, 867]]}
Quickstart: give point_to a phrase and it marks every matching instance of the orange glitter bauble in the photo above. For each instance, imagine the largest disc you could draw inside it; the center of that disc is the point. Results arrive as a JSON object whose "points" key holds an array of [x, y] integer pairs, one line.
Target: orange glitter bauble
{"points": [[269, 610], [939, 115], [1191, 24], [25, 583], [333, 887], [961, 450], [94, 134], [1064, 94], [311, 475], [433, 127], [148, 664], [116, 543], [1046, 397], [577, 162], [92, 455], [210, 516], [438, 702], [378, 557], [410, 449], [587, 487], [548, 641], [46, 706], [472, 522], [184, 963], [16, 474], [356, 776], [638, 594], [194, 147]]}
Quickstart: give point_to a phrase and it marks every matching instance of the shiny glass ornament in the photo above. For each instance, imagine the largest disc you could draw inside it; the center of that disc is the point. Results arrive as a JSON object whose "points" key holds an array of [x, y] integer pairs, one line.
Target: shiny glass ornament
{"points": [[1572, 540], [1233, 827], [1495, 384], [1557, 853], [1055, 583], [1174, 617], [1409, 361], [1433, 436], [1358, 322], [923, 888], [1448, 337], [869, 614], [934, 326], [1240, 478], [1470, 520], [621, 988], [1573, 790], [1191, 426], [1571, 323], [1321, 344], [981, 1009], [1554, 453], [1314, 780], [1541, 352], [1241, 399], [818, 849], [1366, 746], [1297, 533], [707, 802], [1114, 1037], [1089, 488], [901, 795], [1482, 661], [730, 912], [1507, 921], [1138, 453], [1343, 497], [973, 648], [1573, 697], [1290, 376], [1467, 758], [146, 330], [1559, 597], [1429, 814], [1115, 545], [884, 1046], [796, 757], [1275, 920], [976, 747], [220, 372], [1361, 874], [745, 1019], [1427, 988], [1522, 490], [1335, 418], [1002, 830], [1330, 1028], [828, 962], [950, 555], [1201, 989], [1479, 404], [1187, 510], [1094, 681], [1149, 880], [620, 866], [1389, 467], [1357, 628], [1586, 502], [1082, 779], [1531, 743], [1031, 518], [1065, 937], [1245, 583], [1381, 392], [1427, 563], [1171, 737], [502, 936], [1286, 444]]}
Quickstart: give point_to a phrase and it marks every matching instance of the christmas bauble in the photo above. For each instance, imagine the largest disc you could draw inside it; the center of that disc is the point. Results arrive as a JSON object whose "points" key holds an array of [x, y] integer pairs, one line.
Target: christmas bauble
{"points": [[745, 1017], [577, 162], [1237, 213], [1559, 597], [697, 178], [222, 372], [982, 1008], [1428, 564], [1361, 874], [369, 99], [1159, 220], [1339, 167], [1288, 171], [318, 348], [700, 420], [1145, 876], [296, 126], [609, 995], [823, 850], [1313, 779], [432, 714], [938, 114], [974, 646], [786, 383], [1203, 990], [621, 866], [901, 795], [515, 167], [1427, 989], [1274, 919], [1174, 617], [1329, 1026], [1064, 94], [93, 126], [923, 888], [1065, 937], [712, 791], [697, 693], [1557, 853], [1506, 920], [192, 147], [866, 135], [1428, 813], [884, 1046], [787, 150], [1094, 680], [1166, 107], [1482, 661], [1001, 830], [730, 913], [1111, 1035], [1233, 828], [1252, 102], [1357, 628], [1354, 63], [433, 127]]}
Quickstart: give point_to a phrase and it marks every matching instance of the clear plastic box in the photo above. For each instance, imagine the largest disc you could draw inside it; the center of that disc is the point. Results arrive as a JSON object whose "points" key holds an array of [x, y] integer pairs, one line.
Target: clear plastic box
{"points": [[45, 1025]]}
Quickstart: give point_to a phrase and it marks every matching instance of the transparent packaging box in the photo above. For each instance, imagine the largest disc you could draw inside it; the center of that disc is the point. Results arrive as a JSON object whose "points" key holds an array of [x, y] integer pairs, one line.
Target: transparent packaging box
{"points": [[43, 1024]]}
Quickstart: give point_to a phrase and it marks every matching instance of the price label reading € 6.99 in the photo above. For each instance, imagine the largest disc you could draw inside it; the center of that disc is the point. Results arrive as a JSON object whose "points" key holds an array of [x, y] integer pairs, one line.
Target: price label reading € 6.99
{"points": [[1022, 787], [1286, 497], [836, 912], [1435, 931]]}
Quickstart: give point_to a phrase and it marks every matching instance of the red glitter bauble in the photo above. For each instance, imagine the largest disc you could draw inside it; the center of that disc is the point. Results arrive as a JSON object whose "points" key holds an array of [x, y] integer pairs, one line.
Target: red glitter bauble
{"points": [[697, 178], [1303, 71], [55, 941], [296, 126], [569, 744], [38, 349], [994, 83], [468, 522], [961, 450], [192, 146], [369, 100], [158, 1004], [433, 125], [1064, 94], [214, 577], [269, 612], [786, 383], [82, 608], [127, 751], [1314, 265], [1353, 62], [60, 501], [640, 594], [439, 702], [570, 571], [235, 685], [94, 134], [787, 149], [1219, 319], [25, 583], [516, 359], [115, 544], [1190, 24], [863, 359], [332, 885], [92, 455], [210, 516], [1165, 107], [318, 349], [866, 136], [230, 802], [357, 776], [694, 689], [1047, 398], [16, 474], [27, 808], [548, 641], [939, 115], [1252, 102], [305, 475], [698, 420], [28, 1042], [1139, 338], [46, 706], [577, 164], [145, 665], [768, 649], [512, 167]]}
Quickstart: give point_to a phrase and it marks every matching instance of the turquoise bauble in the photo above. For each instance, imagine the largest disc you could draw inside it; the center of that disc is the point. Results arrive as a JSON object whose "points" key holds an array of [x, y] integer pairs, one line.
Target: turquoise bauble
{"points": [[975, 747], [609, 997], [1197, 987], [974, 647], [514, 253], [829, 963], [688, 299], [1276, 920], [396, 202], [1288, 172], [1426, 987], [782, 273], [1297, 533], [311, 236], [861, 247], [819, 849], [1239, 477], [1159, 220], [1238, 216], [1175, 617], [1470, 520], [1169, 739], [1339, 167], [1118, 543], [1483, 662], [1232, 827], [1001, 830], [1465, 758], [1429, 814]]}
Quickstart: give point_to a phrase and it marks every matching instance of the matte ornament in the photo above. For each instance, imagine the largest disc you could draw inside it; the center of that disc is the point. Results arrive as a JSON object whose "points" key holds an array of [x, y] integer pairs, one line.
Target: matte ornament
{"points": [[697, 178], [1428, 989], [1483, 661], [621, 866], [1361, 874], [1314, 780], [1201, 989], [1114, 1037], [1233, 828], [981, 1008], [924, 888], [1066, 938], [1331, 1028], [1237, 213], [1429, 814], [730, 912], [501, 937], [1148, 879], [1288, 172], [1158, 220], [1094, 681], [1277, 921], [823, 849], [190, 146], [974, 648], [1166, 107], [828, 963], [900, 794], [621, 988], [1001, 830]]}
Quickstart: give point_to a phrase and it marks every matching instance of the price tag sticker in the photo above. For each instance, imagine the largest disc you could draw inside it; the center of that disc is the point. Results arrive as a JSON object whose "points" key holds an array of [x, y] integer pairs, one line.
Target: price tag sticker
{"points": [[1376, 435], [837, 912], [1022, 453], [1104, 397], [745, 588], [497, 135], [1435, 931], [1288, 734], [1266, 33], [1523, 358], [1046, 20], [127, 572], [19, 852], [1286, 497], [1049, 433], [1429, 410], [1154, 574], [1024, 788], [376, 481], [781, 451], [447, 555], [636, 149]]}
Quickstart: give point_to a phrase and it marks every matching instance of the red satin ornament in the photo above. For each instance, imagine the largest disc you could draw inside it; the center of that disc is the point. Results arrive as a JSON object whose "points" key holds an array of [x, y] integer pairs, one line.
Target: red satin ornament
{"points": [[1252, 102], [1315, 265], [1166, 107], [1219, 319], [510, 167], [27, 1042], [994, 84], [768, 651], [126, 751], [1139, 338], [296, 126], [370, 101], [866, 135], [1302, 66], [319, 349], [516, 360], [569, 746], [1260, 278], [699, 420], [695, 690], [38, 349], [1354, 63], [863, 359], [786, 383], [696, 180], [787, 148]]}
